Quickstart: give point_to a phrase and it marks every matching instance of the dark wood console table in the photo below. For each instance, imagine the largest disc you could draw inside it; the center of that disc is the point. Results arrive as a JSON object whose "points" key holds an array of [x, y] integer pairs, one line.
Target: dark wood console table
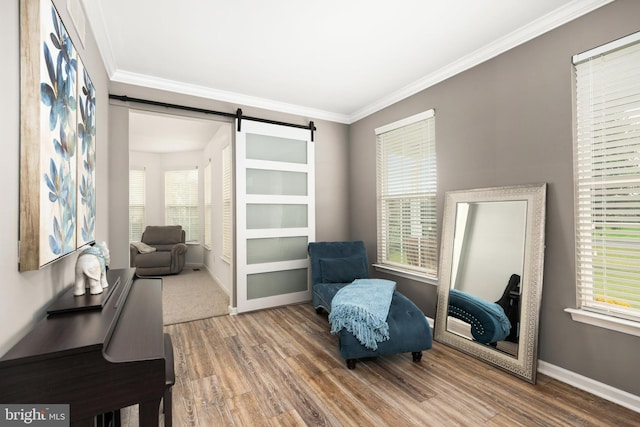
{"points": [[97, 359]]}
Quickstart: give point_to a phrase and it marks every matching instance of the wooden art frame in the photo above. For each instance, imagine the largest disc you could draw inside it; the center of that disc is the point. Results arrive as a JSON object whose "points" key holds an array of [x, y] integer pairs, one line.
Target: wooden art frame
{"points": [[57, 140]]}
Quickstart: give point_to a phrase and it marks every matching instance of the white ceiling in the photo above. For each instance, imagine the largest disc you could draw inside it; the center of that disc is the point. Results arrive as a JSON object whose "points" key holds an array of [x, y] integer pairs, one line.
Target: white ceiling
{"points": [[336, 60]]}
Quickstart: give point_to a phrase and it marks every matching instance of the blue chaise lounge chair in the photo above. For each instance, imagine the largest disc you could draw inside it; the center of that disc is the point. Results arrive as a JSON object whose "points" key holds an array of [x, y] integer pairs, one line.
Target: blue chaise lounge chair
{"points": [[335, 265]]}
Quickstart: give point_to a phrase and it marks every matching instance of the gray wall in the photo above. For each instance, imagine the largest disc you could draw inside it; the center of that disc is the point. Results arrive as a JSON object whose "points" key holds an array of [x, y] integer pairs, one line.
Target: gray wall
{"points": [[24, 296], [119, 186], [505, 122]]}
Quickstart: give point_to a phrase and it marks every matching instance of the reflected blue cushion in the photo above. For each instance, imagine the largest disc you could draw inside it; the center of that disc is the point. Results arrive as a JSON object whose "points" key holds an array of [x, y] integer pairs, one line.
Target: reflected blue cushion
{"points": [[488, 321]]}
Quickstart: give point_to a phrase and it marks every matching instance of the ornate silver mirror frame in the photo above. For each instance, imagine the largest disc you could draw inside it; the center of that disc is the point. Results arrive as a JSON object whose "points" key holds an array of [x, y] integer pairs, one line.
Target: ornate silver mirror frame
{"points": [[530, 201]]}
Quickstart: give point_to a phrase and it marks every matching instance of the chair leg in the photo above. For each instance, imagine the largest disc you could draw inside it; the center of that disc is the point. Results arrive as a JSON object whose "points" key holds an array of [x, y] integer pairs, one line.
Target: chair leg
{"points": [[417, 356], [351, 363], [319, 310], [167, 407], [170, 379]]}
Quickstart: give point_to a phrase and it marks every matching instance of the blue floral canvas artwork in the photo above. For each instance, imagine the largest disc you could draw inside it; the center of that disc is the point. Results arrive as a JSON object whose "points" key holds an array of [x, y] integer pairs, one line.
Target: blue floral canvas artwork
{"points": [[57, 140], [58, 97], [86, 133]]}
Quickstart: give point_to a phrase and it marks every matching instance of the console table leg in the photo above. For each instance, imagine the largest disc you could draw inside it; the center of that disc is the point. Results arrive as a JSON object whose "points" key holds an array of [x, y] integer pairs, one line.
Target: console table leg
{"points": [[90, 422], [149, 413]]}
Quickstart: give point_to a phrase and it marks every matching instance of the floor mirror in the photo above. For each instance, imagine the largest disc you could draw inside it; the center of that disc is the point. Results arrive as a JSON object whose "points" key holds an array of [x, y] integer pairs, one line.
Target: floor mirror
{"points": [[490, 284]]}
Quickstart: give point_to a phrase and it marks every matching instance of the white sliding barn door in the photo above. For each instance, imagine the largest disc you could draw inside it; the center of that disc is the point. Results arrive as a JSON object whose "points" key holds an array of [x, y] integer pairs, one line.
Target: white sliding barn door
{"points": [[275, 214]]}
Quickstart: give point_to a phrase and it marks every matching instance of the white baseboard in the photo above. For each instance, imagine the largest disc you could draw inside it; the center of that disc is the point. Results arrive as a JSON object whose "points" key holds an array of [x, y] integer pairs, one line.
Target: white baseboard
{"points": [[612, 394], [193, 265], [233, 310]]}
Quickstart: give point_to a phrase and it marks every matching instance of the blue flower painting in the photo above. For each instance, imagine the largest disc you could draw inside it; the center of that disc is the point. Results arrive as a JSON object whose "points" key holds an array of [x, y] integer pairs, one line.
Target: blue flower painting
{"points": [[86, 133], [58, 97], [57, 141]]}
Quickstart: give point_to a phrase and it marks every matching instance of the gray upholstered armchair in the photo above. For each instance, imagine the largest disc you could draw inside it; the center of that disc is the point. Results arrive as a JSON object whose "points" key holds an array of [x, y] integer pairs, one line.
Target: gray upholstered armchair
{"points": [[161, 251]]}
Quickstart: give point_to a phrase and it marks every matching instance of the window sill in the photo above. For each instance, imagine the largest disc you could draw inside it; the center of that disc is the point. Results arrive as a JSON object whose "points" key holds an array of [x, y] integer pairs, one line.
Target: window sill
{"points": [[407, 274], [603, 321]]}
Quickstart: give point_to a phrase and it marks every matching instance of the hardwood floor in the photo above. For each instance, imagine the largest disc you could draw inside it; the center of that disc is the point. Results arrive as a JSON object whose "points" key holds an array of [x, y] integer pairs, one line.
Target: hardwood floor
{"points": [[281, 367]]}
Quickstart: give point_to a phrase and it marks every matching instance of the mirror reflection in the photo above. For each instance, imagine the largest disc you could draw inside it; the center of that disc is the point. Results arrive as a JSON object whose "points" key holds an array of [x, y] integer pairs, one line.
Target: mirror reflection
{"points": [[488, 258], [491, 261]]}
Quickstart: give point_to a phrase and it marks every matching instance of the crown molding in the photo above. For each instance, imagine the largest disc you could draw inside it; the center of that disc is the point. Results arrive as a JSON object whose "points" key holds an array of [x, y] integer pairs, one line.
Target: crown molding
{"points": [[94, 12], [225, 96], [542, 25], [552, 20]]}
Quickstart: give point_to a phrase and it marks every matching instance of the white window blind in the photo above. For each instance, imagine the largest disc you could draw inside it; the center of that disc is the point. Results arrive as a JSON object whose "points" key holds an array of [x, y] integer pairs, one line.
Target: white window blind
{"points": [[406, 175], [227, 202], [607, 178], [136, 204], [181, 201], [207, 204]]}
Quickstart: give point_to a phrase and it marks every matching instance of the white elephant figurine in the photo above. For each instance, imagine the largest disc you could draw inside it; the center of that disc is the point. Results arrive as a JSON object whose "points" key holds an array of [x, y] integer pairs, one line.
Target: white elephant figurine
{"points": [[91, 270]]}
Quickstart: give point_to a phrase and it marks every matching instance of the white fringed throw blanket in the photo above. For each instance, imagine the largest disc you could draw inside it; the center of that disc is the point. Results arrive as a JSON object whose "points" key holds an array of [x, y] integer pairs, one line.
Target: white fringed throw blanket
{"points": [[362, 308]]}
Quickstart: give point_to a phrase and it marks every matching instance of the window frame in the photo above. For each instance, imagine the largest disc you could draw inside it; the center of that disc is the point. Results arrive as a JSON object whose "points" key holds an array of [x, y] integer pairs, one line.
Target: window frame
{"points": [[207, 185], [592, 181], [192, 229], [227, 203], [421, 206], [132, 172]]}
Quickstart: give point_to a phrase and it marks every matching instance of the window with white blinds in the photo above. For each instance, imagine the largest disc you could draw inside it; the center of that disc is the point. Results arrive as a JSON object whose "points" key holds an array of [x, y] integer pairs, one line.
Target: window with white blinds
{"points": [[207, 204], [607, 178], [406, 187], [181, 201], [227, 202], [136, 204]]}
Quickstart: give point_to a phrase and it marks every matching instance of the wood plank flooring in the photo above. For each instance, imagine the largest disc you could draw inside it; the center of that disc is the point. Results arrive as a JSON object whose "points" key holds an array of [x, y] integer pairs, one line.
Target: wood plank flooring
{"points": [[281, 367]]}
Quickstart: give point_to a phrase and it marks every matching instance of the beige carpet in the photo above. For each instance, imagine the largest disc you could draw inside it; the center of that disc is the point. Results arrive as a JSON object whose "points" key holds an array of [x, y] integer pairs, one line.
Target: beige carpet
{"points": [[192, 295]]}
